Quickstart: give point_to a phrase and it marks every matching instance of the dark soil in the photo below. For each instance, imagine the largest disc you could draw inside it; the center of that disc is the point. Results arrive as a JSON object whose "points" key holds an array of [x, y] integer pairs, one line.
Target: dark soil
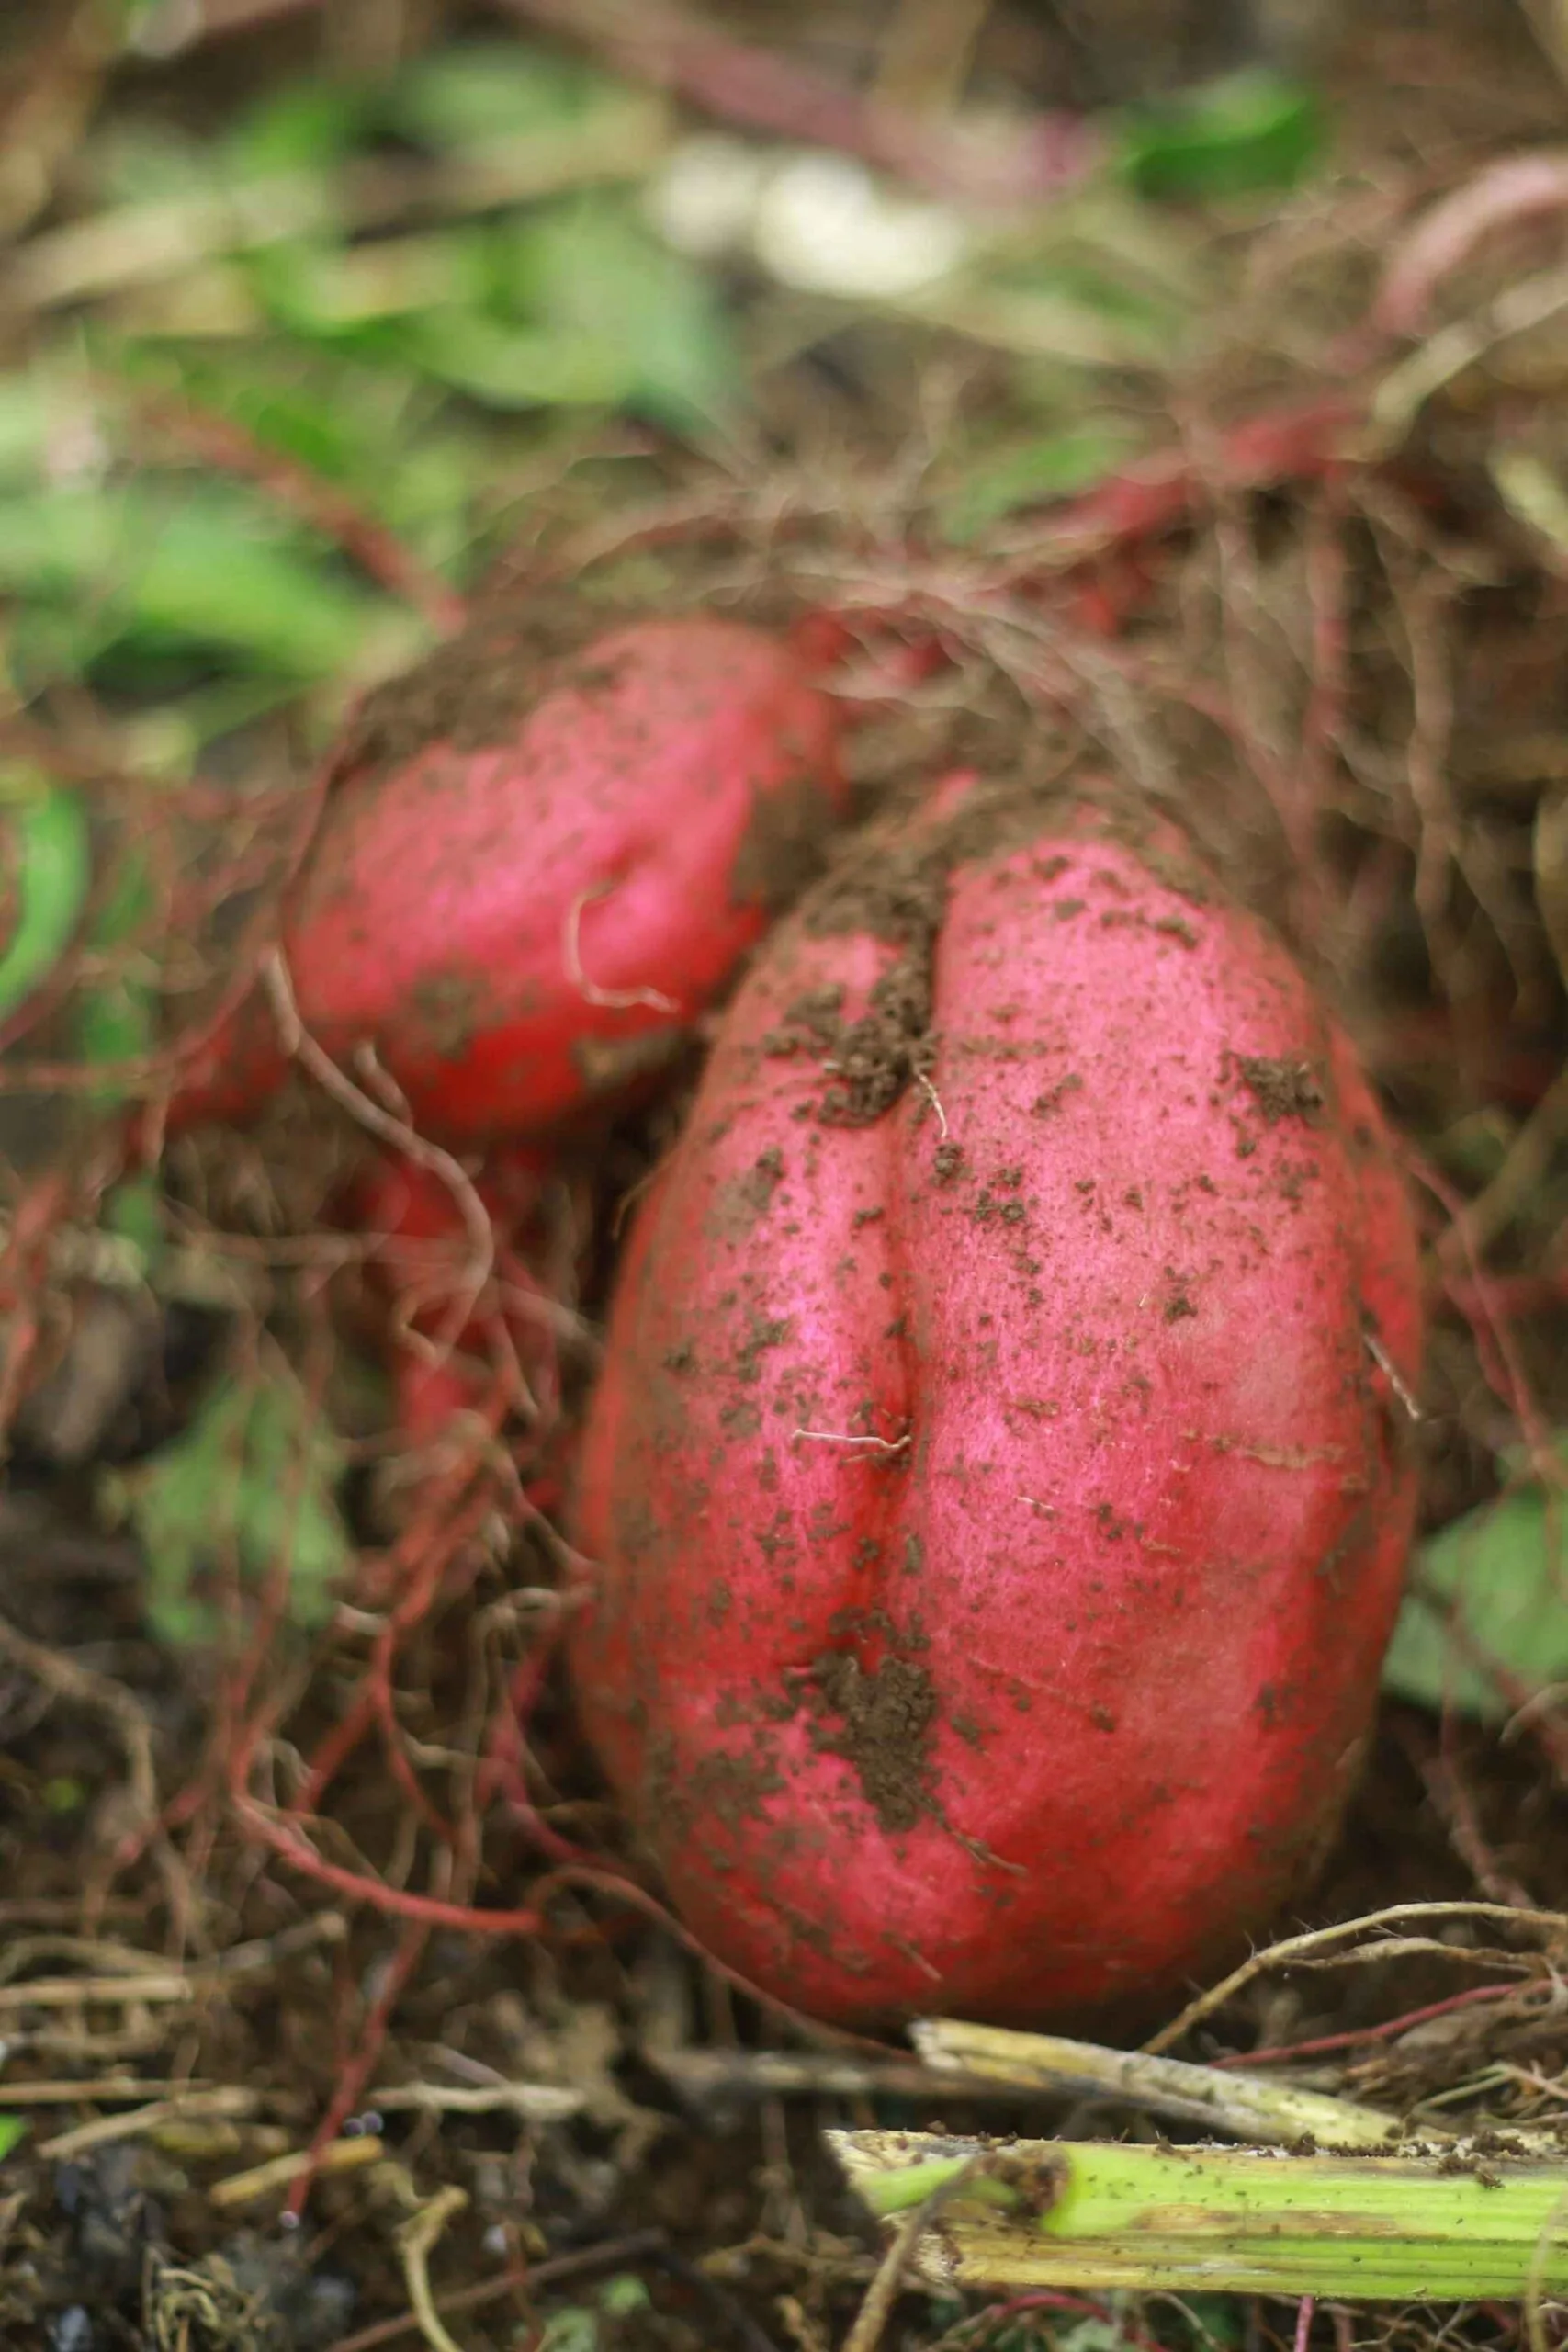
{"points": [[474, 691], [879, 1719], [1284, 1090]]}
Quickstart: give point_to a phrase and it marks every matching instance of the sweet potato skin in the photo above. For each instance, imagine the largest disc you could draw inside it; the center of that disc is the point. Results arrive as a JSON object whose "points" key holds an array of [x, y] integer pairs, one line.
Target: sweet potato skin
{"points": [[524, 929], [998, 1532]]}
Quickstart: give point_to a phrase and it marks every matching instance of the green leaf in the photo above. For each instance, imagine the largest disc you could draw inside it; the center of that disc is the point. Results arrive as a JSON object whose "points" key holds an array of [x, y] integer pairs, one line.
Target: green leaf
{"points": [[575, 2329], [52, 861], [251, 1481], [625, 2293], [12, 2129], [31, 408], [1492, 1586], [480, 93], [1254, 129], [1056, 464], [200, 566], [307, 125], [593, 275], [345, 296], [516, 367], [209, 577]]}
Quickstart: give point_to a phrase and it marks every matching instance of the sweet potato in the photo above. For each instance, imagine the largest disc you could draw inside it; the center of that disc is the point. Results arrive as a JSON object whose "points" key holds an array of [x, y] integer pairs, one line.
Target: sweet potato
{"points": [[531, 877], [996, 1478]]}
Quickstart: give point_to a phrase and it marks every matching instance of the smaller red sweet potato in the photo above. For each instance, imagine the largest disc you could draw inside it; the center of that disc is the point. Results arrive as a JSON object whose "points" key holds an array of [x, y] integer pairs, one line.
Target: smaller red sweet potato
{"points": [[527, 885]]}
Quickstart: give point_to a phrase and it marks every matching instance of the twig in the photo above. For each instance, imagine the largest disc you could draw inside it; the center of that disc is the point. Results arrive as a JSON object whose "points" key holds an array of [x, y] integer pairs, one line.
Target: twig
{"points": [[242, 2188], [614, 2254], [105, 2092], [153, 1990], [881, 2295], [1519, 309], [1527, 1162], [1271, 2113], [228, 2100], [716, 2297], [934, 1098], [700, 2074], [1308, 1948], [1519, 187], [533, 2102], [416, 2239]]}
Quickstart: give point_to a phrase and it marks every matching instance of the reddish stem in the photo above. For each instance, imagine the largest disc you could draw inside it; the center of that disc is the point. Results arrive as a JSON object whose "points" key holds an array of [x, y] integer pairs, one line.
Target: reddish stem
{"points": [[357, 2070], [764, 90], [1361, 2035]]}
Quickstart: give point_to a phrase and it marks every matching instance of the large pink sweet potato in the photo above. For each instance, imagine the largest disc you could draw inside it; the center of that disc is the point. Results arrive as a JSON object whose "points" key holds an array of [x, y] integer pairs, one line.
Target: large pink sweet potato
{"points": [[996, 1483], [532, 875]]}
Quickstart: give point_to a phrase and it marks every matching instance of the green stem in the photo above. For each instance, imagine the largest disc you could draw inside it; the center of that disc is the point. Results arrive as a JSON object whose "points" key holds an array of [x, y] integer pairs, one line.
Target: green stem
{"points": [[1045, 2213]]}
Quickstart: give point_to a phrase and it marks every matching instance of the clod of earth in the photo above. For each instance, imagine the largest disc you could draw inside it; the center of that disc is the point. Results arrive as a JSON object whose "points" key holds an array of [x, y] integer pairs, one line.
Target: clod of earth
{"points": [[532, 873], [1038, 1567]]}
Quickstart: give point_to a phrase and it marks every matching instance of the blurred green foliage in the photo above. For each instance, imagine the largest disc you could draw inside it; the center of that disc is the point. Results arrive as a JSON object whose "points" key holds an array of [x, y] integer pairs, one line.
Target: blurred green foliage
{"points": [[1492, 1587], [249, 1484]]}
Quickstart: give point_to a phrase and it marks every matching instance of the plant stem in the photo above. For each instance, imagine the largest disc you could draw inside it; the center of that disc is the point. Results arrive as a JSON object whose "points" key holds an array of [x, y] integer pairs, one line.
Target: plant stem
{"points": [[1419, 2227], [1275, 2114]]}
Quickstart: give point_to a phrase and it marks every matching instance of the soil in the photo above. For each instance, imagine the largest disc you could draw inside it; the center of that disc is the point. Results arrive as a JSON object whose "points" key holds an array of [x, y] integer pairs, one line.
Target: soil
{"points": [[880, 1720], [474, 691], [1284, 1090]]}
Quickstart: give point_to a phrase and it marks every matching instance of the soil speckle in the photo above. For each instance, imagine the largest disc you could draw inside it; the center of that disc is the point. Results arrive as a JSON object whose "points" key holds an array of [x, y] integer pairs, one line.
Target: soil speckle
{"points": [[759, 1187], [1284, 1090], [880, 1721], [762, 1335], [1180, 1303], [1045, 1106]]}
